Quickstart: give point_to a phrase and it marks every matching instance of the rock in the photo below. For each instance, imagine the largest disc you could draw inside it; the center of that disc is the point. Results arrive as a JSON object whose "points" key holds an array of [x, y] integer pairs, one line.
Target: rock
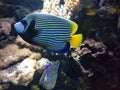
{"points": [[108, 12], [8, 56], [21, 43], [19, 74], [5, 25], [7, 35], [6, 10], [86, 54], [18, 63], [21, 13]]}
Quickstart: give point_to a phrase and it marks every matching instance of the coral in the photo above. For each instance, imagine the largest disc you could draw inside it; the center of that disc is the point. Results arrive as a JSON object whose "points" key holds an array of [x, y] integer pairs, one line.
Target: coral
{"points": [[108, 12], [20, 42], [85, 54], [21, 73], [97, 48], [9, 56], [5, 25], [6, 10], [21, 13], [18, 63], [5, 28], [7, 35], [65, 10], [23, 64], [90, 46]]}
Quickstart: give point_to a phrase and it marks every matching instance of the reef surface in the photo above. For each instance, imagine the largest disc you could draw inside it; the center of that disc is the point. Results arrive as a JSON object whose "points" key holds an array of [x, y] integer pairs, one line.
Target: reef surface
{"points": [[94, 65]]}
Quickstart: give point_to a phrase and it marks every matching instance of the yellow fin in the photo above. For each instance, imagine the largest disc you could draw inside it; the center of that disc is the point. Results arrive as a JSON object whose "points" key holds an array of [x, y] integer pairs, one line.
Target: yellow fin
{"points": [[76, 40], [74, 27]]}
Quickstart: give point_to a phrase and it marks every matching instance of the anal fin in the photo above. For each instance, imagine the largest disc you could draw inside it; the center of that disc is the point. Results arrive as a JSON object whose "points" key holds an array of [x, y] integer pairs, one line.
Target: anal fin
{"points": [[65, 50]]}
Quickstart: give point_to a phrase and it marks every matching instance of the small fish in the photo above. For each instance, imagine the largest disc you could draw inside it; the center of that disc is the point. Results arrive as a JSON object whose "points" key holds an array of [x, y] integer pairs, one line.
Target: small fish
{"points": [[48, 31], [91, 13]]}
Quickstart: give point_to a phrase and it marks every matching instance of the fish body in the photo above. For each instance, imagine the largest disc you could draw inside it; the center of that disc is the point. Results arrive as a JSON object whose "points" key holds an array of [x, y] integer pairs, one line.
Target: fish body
{"points": [[51, 32]]}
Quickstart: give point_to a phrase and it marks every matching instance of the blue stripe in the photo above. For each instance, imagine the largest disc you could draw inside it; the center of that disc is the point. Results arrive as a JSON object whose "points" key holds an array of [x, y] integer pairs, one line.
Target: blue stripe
{"points": [[51, 18], [51, 28], [51, 39], [52, 45], [57, 31], [52, 23]]}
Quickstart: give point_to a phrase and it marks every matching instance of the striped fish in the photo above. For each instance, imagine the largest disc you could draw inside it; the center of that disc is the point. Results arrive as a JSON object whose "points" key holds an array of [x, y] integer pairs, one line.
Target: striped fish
{"points": [[51, 32]]}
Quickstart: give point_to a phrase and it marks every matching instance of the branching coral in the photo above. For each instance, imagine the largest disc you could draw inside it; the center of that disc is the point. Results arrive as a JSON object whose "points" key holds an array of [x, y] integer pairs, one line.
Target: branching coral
{"points": [[66, 10]]}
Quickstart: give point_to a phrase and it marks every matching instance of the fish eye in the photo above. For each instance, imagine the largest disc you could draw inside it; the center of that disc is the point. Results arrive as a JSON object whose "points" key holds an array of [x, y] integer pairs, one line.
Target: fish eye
{"points": [[24, 22]]}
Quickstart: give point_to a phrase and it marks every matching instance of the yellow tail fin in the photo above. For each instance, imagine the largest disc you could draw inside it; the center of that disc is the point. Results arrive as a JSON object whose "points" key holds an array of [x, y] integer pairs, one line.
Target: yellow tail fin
{"points": [[76, 40]]}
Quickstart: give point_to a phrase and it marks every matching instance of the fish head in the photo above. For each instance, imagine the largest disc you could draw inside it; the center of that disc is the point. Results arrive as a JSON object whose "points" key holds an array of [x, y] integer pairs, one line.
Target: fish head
{"points": [[20, 26]]}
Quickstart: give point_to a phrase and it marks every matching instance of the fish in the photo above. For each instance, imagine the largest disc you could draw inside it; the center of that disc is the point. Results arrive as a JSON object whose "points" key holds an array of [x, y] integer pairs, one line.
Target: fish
{"points": [[91, 13], [51, 32]]}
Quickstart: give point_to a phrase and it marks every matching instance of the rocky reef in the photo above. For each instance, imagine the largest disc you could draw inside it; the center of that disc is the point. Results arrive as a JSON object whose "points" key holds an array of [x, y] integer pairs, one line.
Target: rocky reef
{"points": [[96, 60]]}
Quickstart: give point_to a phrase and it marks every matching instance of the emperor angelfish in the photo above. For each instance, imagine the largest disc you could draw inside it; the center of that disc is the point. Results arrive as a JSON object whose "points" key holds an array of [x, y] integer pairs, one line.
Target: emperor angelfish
{"points": [[50, 32]]}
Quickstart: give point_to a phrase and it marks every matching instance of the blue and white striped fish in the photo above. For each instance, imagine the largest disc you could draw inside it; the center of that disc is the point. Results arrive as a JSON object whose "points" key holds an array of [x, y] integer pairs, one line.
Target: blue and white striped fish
{"points": [[51, 32]]}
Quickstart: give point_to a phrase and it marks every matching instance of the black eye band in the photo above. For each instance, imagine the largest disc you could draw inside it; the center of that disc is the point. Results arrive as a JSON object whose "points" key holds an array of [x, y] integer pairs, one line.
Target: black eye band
{"points": [[24, 22]]}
